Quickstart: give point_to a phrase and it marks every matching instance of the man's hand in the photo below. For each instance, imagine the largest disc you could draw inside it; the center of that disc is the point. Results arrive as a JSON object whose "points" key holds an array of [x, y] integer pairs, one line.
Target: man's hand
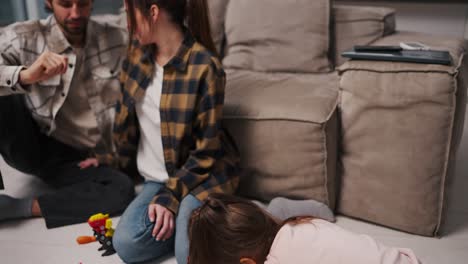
{"points": [[164, 226], [45, 67], [88, 163]]}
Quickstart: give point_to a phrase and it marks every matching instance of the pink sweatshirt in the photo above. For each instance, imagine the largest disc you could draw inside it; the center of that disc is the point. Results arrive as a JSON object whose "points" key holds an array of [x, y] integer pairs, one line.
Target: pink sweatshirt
{"points": [[319, 241]]}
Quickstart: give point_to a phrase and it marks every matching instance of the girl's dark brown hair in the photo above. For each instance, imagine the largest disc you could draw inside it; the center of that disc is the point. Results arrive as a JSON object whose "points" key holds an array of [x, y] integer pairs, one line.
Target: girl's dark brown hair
{"points": [[193, 13], [227, 228]]}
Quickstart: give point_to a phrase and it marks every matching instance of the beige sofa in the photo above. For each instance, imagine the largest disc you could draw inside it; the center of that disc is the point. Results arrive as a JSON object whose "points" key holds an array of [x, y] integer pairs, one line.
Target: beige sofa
{"points": [[373, 140]]}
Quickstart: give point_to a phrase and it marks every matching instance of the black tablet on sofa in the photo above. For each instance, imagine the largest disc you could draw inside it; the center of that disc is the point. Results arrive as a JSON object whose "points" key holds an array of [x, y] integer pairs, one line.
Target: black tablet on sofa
{"points": [[417, 56]]}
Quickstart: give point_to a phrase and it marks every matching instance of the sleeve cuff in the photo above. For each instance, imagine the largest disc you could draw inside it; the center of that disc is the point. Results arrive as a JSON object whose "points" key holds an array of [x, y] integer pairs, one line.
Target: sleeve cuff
{"points": [[9, 78], [166, 199]]}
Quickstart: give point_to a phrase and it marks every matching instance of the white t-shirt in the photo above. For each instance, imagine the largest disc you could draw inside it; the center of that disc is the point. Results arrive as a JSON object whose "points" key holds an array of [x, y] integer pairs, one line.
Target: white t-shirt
{"points": [[319, 241], [150, 157]]}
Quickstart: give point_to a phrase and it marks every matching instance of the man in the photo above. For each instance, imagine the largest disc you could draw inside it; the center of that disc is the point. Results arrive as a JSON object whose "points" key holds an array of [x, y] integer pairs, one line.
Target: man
{"points": [[58, 88]]}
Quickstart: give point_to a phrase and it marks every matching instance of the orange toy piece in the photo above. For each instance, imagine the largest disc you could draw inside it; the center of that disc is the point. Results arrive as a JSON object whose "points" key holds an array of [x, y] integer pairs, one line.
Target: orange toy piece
{"points": [[85, 239]]}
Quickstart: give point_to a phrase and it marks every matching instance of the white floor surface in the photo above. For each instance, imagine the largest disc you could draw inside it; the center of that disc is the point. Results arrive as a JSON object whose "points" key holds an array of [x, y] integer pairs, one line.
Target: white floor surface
{"points": [[29, 242]]}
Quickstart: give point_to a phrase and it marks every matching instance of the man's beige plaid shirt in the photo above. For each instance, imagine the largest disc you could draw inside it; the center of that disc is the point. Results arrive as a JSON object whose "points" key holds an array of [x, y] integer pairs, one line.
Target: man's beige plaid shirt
{"points": [[22, 43]]}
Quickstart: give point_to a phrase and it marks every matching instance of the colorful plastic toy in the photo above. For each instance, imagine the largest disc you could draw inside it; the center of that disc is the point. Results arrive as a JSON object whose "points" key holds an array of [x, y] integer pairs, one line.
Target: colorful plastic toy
{"points": [[103, 232]]}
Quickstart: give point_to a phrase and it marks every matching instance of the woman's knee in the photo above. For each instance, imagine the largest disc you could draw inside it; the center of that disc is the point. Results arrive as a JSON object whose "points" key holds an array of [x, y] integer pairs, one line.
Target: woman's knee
{"points": [[135, 246], [129, 245], [123, 243]]}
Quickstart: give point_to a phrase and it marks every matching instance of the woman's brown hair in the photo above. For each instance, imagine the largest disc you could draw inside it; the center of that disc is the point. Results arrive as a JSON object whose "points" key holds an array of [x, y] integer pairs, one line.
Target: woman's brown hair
{"points": [[194, 13], [227, 228]]}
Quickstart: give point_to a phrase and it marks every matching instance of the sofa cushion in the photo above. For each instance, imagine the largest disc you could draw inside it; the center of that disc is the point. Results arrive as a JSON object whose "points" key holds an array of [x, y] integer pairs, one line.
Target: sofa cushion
{"points": [[285, 126], [357, 25], [401, 126], [278, 35], [217, 16]]}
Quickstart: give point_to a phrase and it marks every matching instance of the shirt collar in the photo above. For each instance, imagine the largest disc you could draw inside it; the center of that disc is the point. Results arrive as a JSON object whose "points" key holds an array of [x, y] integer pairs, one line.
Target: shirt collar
{"points": [[181, 59], [58, 43], [56, 40]]}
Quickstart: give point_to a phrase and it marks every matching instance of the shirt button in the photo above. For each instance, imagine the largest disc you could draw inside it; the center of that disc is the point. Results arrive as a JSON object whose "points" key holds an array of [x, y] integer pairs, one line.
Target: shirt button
{"points": [[13, 88], [111, 72], [64, 94], [70, 65], [8, 82]]}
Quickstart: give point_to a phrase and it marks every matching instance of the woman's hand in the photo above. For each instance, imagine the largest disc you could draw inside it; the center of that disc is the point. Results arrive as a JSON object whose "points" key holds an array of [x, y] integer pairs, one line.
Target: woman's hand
{"points": [[164, 226], [88, 163]]}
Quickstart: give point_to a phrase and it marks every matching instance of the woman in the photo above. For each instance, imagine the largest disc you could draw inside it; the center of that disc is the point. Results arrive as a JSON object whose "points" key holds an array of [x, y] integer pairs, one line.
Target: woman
{"points": [[230, 230], [169, 116]]}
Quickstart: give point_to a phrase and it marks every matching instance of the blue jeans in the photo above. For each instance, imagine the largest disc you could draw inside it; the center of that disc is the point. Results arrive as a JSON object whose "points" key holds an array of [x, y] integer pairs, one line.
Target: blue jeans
{"points": [[132, 238]]}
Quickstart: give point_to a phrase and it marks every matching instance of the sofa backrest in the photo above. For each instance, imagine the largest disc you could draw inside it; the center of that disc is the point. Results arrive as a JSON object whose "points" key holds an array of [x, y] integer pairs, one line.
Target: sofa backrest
{"points": [[218, 16], [350, 25], [278, 35]]}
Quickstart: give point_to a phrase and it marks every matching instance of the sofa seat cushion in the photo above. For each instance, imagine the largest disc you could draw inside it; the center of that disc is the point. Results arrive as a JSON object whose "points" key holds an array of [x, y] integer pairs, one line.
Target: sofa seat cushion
{"points": [[285, 128], [278, 35], [401, 126]]}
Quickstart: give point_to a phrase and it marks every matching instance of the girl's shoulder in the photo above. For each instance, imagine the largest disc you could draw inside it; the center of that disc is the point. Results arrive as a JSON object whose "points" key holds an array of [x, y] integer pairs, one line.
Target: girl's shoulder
{"points": [[299, 231], [204, 57], [305, 233], [294, 241], [311, 229]]}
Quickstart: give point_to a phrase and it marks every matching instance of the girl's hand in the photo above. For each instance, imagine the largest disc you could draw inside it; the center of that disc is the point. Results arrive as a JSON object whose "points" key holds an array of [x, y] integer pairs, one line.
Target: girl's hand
{"points": [[164, 226], [88, 163]]}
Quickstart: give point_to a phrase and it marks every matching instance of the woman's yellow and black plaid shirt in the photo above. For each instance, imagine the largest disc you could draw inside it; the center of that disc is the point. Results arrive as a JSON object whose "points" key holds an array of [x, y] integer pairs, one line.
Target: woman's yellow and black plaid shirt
{"points": [[199, 155]]}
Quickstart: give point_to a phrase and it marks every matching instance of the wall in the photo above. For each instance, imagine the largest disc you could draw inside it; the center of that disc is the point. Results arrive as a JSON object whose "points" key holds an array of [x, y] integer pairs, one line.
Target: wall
{"points": [[10, 11], [35, 8]]}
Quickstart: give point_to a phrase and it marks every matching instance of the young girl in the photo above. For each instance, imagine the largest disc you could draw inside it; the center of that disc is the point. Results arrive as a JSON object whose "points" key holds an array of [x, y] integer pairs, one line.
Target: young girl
{"points": [[169, 116], [230, 230]]}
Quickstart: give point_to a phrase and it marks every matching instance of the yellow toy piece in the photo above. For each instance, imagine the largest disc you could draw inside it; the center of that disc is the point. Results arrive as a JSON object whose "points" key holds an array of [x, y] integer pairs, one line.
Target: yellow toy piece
{"points": [[110, 230], [103, 232]]}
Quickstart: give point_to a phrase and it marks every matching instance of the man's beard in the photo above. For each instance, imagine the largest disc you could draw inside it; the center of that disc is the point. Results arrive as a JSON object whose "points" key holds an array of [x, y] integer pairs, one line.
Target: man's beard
{"points": [[72, 29]]}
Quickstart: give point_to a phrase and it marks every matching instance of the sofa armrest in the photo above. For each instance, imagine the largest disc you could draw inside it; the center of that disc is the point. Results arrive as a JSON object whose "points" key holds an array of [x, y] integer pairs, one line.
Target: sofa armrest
{"points": [[458, 49], [401, 125], [356, 25]]}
